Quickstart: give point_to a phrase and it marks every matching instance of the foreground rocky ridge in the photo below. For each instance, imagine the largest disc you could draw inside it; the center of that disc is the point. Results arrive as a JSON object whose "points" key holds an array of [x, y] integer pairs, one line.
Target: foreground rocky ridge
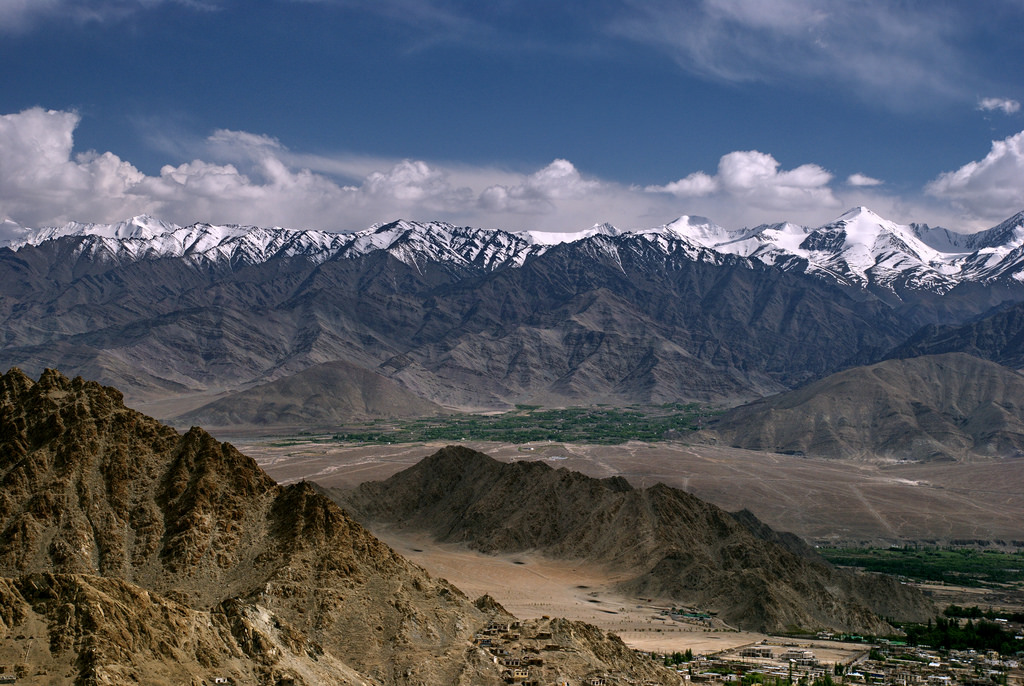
{"points": [[129, 552], [673, 544]]}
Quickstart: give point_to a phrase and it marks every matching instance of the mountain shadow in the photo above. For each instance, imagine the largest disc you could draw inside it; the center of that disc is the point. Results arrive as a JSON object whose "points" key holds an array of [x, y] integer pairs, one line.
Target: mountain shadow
{"points": [[997, 336]]}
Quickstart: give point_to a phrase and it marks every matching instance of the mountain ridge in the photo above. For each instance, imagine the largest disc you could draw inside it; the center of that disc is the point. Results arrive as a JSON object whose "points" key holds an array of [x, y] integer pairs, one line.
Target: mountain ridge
{"points": [[480, 319], [324, 395], [668, 543], [129, 552], [858, 248], [601, 318]]}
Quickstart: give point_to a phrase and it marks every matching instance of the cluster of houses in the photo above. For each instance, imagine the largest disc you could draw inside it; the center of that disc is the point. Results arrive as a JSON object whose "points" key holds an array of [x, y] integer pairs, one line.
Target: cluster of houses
{"points": [[887, 664], [908, 666]]}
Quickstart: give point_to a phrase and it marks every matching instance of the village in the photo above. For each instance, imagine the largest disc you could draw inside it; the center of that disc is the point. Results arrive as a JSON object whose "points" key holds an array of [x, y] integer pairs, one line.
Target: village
{"points": [[532, 659], [834, 660]]}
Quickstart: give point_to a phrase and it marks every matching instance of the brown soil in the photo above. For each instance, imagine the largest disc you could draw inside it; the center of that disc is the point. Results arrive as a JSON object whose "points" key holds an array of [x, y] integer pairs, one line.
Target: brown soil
{"points": [[827, 502]]}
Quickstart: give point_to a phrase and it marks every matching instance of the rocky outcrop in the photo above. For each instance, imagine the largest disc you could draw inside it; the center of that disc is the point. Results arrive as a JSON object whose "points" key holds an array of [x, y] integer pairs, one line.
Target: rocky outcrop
{"points": [[671, 544], [130, 552]]}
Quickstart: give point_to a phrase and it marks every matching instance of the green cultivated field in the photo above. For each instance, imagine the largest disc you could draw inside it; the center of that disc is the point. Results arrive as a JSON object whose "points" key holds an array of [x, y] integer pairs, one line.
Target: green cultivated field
{"points": [[527, 423], [960, 566]]}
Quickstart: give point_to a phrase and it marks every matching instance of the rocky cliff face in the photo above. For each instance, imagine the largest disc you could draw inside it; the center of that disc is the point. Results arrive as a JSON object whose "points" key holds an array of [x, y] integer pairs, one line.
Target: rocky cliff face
{"points": [[673, 544], [129, 551]]}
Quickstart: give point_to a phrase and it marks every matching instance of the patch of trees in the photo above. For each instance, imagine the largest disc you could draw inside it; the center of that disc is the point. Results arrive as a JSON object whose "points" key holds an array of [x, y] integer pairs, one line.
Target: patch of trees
{"points": [[976, 612], [950, 634]]}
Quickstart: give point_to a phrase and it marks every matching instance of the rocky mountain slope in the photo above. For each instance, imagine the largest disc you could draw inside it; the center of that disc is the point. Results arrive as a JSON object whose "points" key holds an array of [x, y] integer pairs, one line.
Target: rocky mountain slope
{"points": [[478, 318], [130, 553], [936, 407], [325, 395], [673, 544], [997, 336]]}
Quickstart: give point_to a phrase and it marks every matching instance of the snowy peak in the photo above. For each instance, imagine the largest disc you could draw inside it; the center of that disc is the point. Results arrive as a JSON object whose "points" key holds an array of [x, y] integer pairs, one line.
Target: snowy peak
{"points": [[11, 232], [556, 237], [865, 233], [865, 249], [415, 243], [860, 213], [859, 248], [142, 227], [700, 230]]}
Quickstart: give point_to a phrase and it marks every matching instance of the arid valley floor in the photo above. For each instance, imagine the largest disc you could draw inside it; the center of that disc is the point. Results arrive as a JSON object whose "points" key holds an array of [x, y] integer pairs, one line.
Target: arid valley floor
{"points": [[826, 502]]}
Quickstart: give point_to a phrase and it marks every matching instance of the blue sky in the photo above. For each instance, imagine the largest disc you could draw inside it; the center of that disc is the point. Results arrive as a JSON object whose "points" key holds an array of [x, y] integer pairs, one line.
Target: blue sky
{"points": [[336, 114]]}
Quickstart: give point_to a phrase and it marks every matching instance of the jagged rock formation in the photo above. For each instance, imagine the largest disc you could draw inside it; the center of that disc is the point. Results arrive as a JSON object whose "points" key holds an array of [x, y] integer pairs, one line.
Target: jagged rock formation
{"points": [[129, 552], [937, 407], [675, 545], [85, 629], [325, 395]]}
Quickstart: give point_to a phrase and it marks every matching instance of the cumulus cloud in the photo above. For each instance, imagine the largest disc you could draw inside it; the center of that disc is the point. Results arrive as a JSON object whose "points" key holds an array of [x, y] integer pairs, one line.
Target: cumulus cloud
{"points": [[695, 185], [43, 182], [241, 177], [253, 178], [990, 188], [541, 191], [40, 181], [1004, 105], [862, 180], [755, 179]]}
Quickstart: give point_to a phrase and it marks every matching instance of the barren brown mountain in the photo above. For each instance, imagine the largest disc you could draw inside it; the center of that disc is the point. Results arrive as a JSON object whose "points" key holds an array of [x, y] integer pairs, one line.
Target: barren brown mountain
{"points": [[936, 407], [130, 553], [675, 545], [326, 394]]}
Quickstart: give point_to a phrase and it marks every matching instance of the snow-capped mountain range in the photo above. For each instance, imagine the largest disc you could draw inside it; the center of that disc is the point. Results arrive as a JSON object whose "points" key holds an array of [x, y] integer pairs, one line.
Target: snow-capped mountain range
{"points": [[859, 248]]}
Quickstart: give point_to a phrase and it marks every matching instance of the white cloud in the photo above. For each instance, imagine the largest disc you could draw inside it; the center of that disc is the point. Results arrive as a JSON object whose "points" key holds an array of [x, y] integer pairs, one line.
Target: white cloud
{"points": [[902, 55], [754, 178], [241, 177], [862, 180], [39, 180], [253, 178], [695, 185], [1004, 105], [22, 15], [991, 188], [541, 191]]}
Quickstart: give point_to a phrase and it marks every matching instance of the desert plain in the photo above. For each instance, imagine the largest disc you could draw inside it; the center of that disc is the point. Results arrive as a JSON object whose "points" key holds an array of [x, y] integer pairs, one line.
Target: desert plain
{"points": [[827, 502]]}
